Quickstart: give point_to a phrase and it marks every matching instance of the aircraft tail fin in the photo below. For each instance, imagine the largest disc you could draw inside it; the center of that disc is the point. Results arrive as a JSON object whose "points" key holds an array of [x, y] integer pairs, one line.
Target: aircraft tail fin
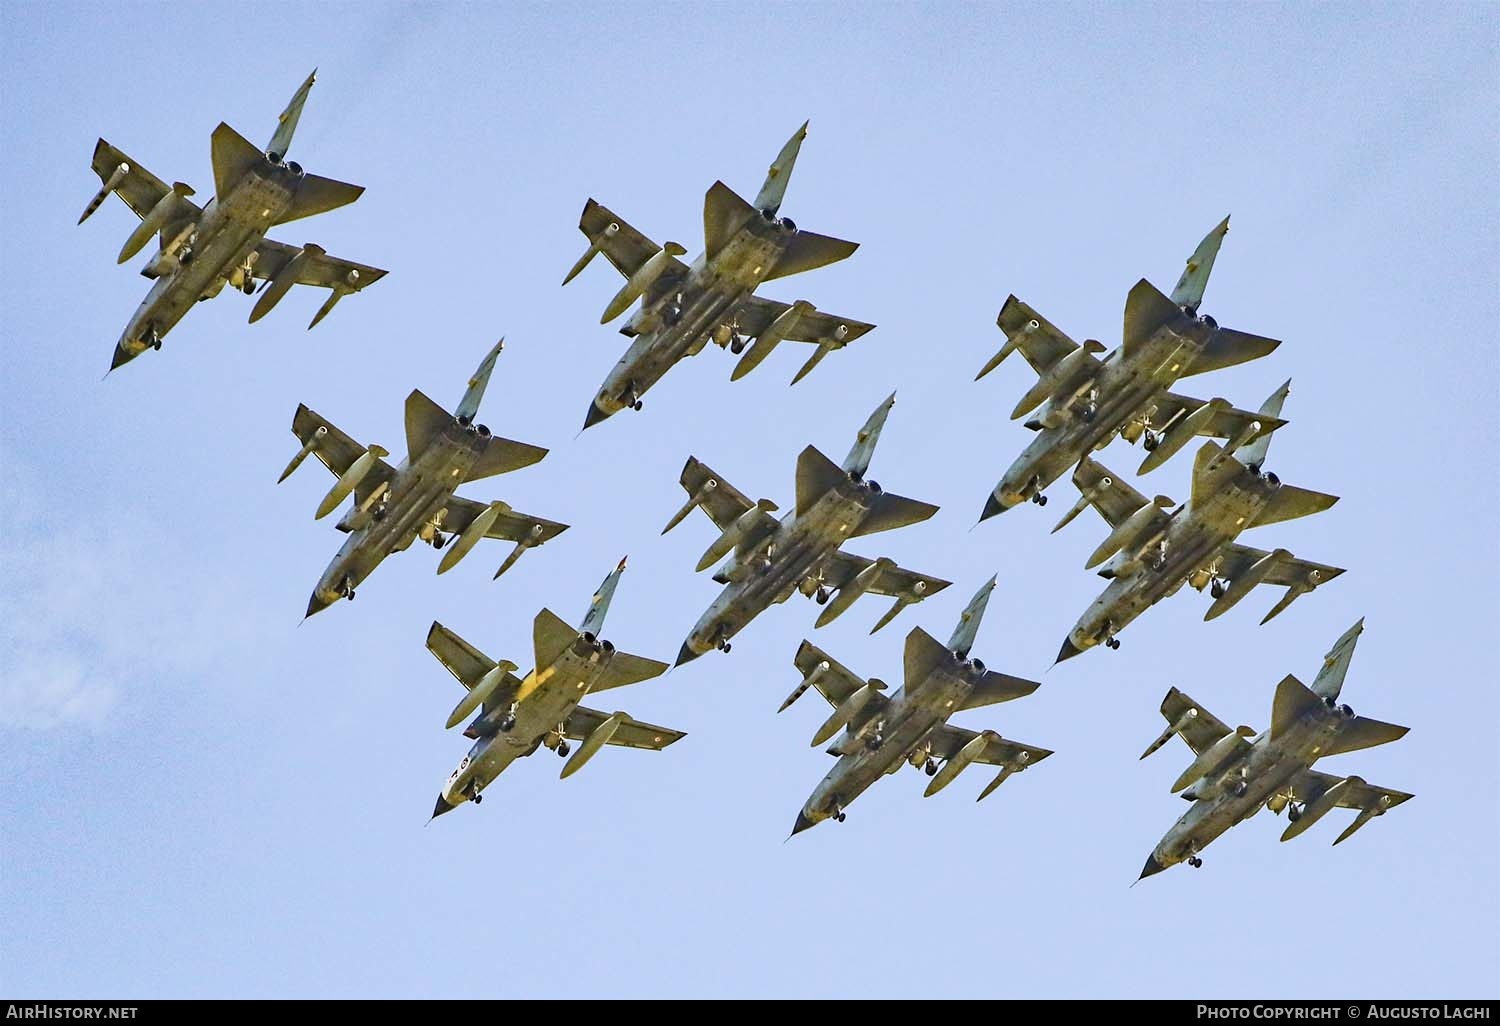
{"points": [[891, 511], [967, 628], [1254, 453], [1292, 702], [468, 406], [550, 636], [593, 620], [724, 213], [286, 123], [809, 250], [1189, 290], [857, 463], [1330, 680], [780, 173], [816, 475], [233, 155], [316, 194], [1363, 732]]}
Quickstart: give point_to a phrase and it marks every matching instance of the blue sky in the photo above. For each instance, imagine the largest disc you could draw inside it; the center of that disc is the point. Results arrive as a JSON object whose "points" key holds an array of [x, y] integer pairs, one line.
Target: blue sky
{"points": [[203, 798]]}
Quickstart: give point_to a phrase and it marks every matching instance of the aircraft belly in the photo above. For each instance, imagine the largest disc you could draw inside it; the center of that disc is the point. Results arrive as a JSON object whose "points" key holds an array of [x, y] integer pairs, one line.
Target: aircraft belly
{"points": [[816, 536], [413, 502], [653, 353], [853, 774], [1169, 354], [222, 252]]}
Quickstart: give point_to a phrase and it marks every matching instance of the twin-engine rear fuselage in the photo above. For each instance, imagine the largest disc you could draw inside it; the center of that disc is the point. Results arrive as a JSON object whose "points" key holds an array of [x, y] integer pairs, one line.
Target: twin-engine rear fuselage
{"points": [[889, 740], [1265, 771], [788, 560], [539, 707], [411, 508], [215, 252], [1120, 394], [1185, 552], [684, 317]]}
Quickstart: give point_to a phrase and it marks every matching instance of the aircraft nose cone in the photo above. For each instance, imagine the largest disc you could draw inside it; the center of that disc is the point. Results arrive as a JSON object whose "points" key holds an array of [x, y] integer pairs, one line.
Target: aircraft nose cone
{"points": [[686, 654], [121, 357], [803, 823], [442, 807], [1151, 868], [595, 415], [1068, 650], [318, 603], [992, 507]]}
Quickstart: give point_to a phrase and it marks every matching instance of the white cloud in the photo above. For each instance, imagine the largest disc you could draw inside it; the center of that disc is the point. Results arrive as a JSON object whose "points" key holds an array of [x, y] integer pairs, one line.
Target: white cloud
{"points": [[87, 615]]}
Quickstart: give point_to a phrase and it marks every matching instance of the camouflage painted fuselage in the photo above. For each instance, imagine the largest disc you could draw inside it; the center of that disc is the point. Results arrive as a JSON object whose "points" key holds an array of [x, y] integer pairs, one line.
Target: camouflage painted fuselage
{"points": [[229, 230], [680, 322], [1122, 393], [790, 558], [1187, 550], [413, 507], [543, 702], [1266, 771], [903, 730]]}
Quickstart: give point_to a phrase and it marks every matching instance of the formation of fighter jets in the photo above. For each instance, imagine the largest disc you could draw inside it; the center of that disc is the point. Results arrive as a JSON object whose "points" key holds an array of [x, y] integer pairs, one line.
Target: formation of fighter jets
{"points": [[1080, 401]]}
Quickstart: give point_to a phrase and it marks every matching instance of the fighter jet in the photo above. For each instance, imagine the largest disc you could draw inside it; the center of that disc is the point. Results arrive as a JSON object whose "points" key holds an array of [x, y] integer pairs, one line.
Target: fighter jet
{"points": [[224, 242], [518, 716], [1151, 553], [882, 734], [1232, 776], [1085, 400], [393, 506], [770, 558], [683, 308]]}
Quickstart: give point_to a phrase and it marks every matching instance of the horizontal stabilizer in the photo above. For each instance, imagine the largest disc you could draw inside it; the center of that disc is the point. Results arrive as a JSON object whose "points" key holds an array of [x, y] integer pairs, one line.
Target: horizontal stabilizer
{"points": [[625, 668], [724, 214], [1228, 348], [1209, 470], [809, 250], [924, 653], [1146, 310], [501, 456], [1290, 502], [425, 420], [1293, 701], [892, 511], [1363, 732], [233, 156], [998, 687], [316, 194], [550, 636], [817, 475]]}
